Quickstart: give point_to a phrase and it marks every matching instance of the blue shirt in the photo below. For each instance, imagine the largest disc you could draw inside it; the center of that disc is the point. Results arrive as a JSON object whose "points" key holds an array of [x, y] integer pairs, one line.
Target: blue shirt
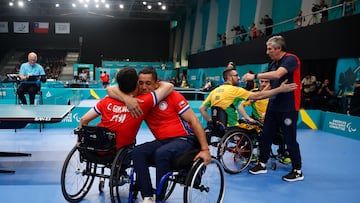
{"points": [[290, 101], [26, 69]]}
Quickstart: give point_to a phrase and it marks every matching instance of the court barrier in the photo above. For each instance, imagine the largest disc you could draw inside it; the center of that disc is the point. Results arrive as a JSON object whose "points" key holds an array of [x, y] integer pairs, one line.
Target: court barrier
{"points": [[85, 98], [339, 124]]}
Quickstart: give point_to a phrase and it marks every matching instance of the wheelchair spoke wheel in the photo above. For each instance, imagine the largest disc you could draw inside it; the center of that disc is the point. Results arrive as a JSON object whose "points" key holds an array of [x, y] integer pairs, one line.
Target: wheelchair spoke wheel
{"points": [[120, 176], [235, 151], [205, 183], [76, 177]]}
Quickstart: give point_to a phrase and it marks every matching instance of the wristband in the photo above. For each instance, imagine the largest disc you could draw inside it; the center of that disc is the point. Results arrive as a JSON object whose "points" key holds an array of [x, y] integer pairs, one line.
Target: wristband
{"points": [[207, 149], [256, 76]]}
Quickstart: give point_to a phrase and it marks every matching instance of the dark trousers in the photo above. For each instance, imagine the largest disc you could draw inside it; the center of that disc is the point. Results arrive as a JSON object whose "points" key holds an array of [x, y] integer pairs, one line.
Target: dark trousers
{"points": [[355, 103], [287, 122], [31, 89], [158, 153]]}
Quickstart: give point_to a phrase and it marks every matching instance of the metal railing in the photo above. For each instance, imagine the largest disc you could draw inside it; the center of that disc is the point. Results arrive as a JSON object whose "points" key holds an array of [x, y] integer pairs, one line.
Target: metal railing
{"points": [[335, 12]]}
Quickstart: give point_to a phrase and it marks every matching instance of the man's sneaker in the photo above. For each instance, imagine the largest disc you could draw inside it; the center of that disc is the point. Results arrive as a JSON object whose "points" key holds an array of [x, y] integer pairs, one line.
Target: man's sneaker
{"points": [[148, 200], [294, 175], [258, 169]]}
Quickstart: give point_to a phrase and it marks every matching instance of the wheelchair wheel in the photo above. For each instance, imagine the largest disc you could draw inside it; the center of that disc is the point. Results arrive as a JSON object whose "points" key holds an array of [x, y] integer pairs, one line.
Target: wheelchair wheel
{"points": [[77, 177], [205, 183], [119, 178], [235, 151]]}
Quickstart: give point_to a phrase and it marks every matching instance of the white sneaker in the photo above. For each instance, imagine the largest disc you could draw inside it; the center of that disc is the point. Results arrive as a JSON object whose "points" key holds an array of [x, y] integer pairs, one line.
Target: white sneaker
{"points": [[148, 200]]}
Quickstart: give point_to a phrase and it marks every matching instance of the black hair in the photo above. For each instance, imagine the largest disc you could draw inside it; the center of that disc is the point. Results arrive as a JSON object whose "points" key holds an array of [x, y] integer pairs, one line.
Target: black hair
{"points": [[127, 79], [227, 71], [149, 70]]}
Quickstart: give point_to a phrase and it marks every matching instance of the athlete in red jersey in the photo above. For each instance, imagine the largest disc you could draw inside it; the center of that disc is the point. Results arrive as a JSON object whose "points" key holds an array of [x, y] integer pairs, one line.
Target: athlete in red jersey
{"points": [[105, 79], [114, 114], [176, 128], [164, 121], [282, 111]]}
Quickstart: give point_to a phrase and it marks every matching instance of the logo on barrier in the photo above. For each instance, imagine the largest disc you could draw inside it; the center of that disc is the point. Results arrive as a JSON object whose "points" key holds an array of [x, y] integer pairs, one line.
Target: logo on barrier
{"points": [[76, 117], [68, 118], [349, 128], [341, 125]]}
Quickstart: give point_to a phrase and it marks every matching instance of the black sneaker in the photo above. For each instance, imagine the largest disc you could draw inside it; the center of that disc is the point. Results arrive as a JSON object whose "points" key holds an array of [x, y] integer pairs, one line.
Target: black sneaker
{"points": [[258, 169], [294, 175]]}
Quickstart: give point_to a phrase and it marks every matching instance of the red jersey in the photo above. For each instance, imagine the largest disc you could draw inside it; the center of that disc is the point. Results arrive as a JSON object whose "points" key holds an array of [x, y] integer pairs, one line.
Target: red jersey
{"points": [[164, 120], [116, 117], [105, 78]]}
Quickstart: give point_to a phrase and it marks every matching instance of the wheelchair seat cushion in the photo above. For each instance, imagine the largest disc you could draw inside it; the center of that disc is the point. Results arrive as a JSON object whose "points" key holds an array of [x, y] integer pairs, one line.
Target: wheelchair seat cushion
{"points": [[253, 128], [98, 157]]}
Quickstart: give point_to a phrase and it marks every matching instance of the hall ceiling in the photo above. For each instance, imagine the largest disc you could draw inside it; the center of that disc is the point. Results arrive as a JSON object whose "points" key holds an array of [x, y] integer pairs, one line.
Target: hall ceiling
{"points": [[132, 9]]}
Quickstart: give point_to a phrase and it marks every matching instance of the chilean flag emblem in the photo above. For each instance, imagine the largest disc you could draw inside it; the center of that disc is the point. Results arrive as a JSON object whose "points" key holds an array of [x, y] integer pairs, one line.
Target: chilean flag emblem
{"points": [[41, 27]]}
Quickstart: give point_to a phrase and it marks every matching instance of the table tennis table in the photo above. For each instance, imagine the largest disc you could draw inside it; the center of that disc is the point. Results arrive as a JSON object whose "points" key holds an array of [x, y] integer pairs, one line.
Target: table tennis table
{"points": [[18, 116]]}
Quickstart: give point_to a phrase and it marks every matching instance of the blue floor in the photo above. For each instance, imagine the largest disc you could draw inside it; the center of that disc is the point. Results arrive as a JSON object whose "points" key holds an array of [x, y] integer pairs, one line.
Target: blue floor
{"points": [[331, 166]]}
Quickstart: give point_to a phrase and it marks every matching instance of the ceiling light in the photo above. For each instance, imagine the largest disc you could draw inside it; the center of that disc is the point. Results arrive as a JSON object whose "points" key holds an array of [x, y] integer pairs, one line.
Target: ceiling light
{"points": [[73, 5], [159, 3], [20, 3], [57, 5], [149, 7], [121, 6], [163, 7], [107, 6], [11, 4], [144, 3]]}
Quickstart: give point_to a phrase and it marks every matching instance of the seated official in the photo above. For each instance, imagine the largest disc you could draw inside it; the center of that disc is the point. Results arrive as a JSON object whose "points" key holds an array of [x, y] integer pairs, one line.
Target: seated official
{"points": [[355, 101], [27, 70], [308, 90], [207, 86], [325, 99], [83, 76]]}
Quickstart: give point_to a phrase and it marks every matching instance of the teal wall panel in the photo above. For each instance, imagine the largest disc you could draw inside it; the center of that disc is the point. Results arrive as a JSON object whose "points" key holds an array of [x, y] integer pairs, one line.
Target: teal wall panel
{"points": [[284, 10]]}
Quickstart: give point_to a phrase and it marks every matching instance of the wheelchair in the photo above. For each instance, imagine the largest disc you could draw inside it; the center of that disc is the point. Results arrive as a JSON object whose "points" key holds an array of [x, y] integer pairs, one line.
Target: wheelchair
{"points": [[200, 183], [95, 155], [239, 147]]}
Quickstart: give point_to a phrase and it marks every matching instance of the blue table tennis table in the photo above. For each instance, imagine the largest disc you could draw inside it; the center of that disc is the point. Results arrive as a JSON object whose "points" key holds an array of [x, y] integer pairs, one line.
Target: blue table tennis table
{"points": [[18, 116]]}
